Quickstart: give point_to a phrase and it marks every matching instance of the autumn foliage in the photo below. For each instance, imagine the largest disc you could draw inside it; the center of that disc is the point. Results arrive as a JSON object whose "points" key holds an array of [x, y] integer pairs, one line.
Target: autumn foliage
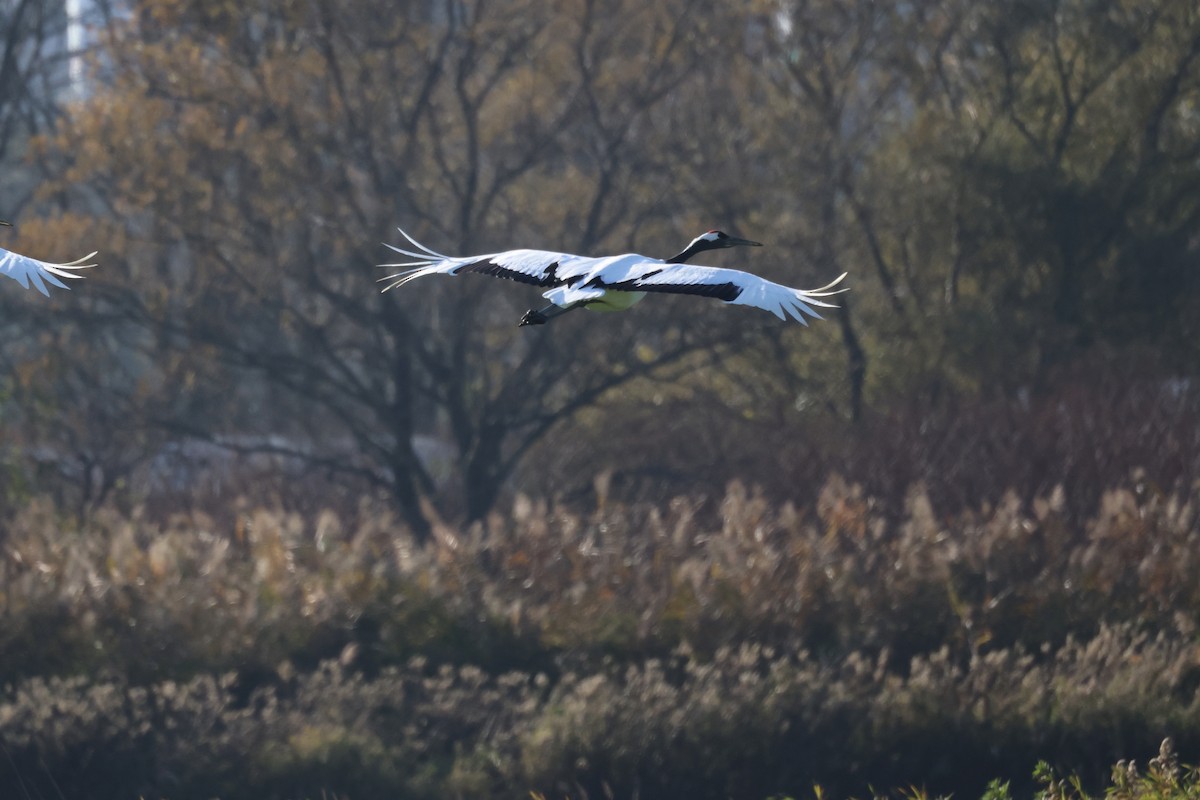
{"points": [[647, 649]]}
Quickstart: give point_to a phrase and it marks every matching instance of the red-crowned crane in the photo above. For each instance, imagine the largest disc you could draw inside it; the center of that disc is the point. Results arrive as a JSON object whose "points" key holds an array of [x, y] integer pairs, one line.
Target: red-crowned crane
{"points": [[29, 270], [615, 283]]}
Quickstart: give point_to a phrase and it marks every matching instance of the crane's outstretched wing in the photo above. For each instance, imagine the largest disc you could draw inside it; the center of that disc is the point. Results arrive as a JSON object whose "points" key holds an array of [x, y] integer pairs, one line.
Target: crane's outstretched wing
{"points": [[535, 267], [573, 280], [733, 286], [29, 270]]}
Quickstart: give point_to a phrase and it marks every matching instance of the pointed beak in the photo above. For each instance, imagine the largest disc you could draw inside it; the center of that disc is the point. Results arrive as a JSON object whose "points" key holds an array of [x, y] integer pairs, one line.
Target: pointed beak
{"points": [[734, 241], [5, 224]]}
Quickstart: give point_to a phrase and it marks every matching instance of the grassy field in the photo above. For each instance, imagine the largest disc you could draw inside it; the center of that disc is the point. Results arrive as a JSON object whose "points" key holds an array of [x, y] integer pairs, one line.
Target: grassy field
{"points": [[734, 649]]}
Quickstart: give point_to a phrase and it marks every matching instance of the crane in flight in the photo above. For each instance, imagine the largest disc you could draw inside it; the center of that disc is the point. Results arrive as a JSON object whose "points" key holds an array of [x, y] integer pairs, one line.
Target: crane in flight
{"points": [[615, 283], [29, 270]]}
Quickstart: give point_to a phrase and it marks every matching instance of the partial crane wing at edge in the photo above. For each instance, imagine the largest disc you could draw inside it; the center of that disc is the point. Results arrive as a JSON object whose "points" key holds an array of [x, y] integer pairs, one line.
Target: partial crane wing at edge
{"points": [[26, 270]]}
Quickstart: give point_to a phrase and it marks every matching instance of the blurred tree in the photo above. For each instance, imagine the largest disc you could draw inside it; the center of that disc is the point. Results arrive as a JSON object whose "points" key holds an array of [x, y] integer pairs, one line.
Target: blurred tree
{"points": [[1008, 184], [835, 74], [795, 114], [254, 156], [1103, 134], [31, 71], [1067, 136], [47, 433], [955, 157]]}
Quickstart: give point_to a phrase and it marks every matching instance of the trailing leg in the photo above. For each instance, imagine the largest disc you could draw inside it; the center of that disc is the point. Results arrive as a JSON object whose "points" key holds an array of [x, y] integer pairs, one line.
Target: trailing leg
{"points": [[542, 316]]}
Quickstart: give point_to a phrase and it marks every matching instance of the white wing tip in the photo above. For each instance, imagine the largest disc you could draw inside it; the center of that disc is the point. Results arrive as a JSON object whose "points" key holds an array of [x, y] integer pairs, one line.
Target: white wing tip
{"points": [[800, 304], [827, 289], [426, 263]]}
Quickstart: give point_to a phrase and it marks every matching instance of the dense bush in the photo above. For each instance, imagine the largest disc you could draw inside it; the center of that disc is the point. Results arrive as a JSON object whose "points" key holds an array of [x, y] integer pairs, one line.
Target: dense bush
{"points": [[747, 723], [149, 601], [1085, 427], [634, 650]]}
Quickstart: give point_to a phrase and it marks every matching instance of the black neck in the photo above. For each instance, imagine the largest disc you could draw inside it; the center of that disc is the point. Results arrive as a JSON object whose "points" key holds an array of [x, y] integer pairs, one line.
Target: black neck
{"points": [[688, 252]]}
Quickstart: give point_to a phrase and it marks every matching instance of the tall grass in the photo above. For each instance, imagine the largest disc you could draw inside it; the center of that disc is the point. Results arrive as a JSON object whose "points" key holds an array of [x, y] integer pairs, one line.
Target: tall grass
{"points": [[634, 650]]}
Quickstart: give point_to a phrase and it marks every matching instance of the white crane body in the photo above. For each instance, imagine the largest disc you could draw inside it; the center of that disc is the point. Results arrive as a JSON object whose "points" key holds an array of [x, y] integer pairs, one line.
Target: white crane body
{"points": [[615, 283]]}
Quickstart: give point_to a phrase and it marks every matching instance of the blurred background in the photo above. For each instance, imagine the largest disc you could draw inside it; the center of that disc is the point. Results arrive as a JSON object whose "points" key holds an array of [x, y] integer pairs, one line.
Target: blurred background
{"points": [[226, 454]]}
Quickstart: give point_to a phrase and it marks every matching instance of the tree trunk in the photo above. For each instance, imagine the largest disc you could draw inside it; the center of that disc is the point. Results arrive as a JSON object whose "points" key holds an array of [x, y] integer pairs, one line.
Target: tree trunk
{"points": [[481, 476], [856, 360]]}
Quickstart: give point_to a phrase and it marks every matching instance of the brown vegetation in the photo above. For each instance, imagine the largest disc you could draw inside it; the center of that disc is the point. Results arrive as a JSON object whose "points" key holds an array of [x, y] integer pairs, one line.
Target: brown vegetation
{"points": [[648, 649]]}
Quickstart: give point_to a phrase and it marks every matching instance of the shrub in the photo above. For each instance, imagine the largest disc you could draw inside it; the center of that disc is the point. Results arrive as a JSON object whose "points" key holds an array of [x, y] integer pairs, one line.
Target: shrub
{"points": [[748, 722], [630, 650]]}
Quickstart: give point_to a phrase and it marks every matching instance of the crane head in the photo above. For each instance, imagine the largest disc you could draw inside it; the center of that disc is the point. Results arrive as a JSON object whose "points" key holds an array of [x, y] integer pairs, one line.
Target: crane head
{"points": [[712, 240], [715, 240]]}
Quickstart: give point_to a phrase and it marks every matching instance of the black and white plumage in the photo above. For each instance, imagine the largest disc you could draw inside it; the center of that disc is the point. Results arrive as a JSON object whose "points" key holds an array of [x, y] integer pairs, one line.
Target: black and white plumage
{"points": [[28, 270], [615, 283]]}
